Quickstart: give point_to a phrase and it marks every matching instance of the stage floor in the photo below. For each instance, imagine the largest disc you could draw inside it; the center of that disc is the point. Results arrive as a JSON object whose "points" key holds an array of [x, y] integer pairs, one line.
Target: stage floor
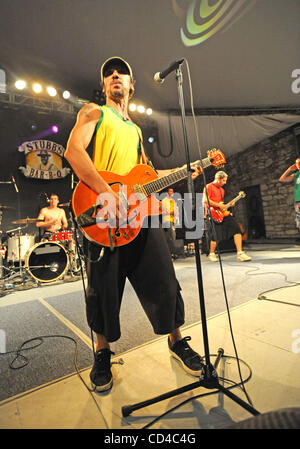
{"points": [[266, 331]]}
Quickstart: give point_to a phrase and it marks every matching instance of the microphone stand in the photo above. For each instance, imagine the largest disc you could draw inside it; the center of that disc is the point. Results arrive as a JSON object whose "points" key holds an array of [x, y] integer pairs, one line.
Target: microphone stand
{"points": [[209, 377]]}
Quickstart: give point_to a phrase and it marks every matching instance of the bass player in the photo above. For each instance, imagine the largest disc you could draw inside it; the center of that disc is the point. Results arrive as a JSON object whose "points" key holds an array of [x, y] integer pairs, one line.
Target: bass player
{"points": [[214, 198]]}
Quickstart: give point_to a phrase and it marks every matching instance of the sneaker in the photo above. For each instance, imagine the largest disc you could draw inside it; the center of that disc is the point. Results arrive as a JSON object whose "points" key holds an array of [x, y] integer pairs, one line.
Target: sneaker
{"points": [[191, 362], [212, 257], [243, 257], [101, 376]]}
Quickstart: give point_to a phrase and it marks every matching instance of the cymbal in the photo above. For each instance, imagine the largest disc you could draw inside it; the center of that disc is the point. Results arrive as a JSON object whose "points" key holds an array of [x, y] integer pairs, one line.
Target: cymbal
{"points": [[26, 221], [6, 207]]}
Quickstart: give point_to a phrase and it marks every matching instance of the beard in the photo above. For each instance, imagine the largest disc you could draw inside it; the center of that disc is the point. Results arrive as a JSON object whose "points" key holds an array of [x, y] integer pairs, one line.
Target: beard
{"points": [[116, 94]]}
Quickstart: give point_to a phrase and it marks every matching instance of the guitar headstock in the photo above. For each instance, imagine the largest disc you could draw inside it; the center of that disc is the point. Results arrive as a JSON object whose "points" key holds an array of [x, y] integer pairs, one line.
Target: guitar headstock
{"points": [[242, 194], [216, 157]]}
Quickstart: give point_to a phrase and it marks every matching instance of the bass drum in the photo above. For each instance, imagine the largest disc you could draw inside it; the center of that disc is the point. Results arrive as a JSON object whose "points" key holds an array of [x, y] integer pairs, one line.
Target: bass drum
{"points": [[47, 261]]}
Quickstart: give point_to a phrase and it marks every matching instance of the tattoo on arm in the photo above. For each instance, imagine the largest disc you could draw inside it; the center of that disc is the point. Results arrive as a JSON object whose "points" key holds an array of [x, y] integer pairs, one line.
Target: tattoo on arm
{"points": [[87, 110]]}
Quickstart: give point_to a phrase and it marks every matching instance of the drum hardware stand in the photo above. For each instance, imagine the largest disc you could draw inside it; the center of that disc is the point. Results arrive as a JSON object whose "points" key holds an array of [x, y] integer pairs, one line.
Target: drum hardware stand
{"points": [[76, 253], [209, 377], [22, 271], [2, 266]]}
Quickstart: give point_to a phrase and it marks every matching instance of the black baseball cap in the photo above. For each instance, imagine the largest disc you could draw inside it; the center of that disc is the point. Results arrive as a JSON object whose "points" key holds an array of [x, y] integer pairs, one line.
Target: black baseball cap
{"points": [[117, 61]]}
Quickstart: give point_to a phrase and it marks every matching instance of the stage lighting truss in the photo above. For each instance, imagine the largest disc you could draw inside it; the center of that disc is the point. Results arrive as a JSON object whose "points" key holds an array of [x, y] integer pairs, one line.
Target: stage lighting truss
{"points": [[16, 100], [39, 88]]}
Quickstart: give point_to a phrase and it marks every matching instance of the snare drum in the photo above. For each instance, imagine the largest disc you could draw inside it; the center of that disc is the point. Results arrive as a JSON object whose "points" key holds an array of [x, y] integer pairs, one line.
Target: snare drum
{"points": [[17, 247], [47, 261]]}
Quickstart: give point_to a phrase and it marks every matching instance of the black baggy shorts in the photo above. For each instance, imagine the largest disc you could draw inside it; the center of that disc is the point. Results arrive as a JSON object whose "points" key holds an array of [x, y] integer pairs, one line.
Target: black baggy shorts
{"points": [[224, 230], [146, 262]]}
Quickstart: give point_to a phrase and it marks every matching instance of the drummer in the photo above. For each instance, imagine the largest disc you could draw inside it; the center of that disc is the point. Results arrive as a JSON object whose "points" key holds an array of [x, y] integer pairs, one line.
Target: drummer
{"points": [[54, 218]]}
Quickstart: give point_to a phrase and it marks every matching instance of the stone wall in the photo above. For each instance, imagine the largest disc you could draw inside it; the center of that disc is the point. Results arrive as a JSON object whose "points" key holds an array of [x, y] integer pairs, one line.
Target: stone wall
{"points": [[262, 165]]}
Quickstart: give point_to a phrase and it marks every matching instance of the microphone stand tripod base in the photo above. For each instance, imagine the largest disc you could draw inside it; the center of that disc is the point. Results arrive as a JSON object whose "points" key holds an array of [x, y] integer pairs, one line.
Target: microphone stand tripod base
{"points": [[209, 380]]}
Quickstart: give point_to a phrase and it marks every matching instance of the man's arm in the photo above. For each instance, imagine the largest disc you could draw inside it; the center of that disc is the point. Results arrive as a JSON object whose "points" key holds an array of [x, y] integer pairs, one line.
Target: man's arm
{"points": [[79, 159], [286, 176], [78, 142], [41, 216], [46, 220], [64, 220]]}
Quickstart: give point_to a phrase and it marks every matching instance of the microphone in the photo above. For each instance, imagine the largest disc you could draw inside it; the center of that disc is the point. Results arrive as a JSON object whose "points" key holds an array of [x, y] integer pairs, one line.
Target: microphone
{"points": [[15, 185], [159, 77]]}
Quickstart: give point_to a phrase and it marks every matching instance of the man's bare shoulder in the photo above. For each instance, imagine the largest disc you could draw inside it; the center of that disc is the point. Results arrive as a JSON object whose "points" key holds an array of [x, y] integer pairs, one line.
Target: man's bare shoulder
{"points": [[90, 111], [43, 210]]}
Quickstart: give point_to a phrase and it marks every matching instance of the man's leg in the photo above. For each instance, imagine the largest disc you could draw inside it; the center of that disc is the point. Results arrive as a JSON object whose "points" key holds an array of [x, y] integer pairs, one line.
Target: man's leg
{"points": [[241, 255], [212, 256], [213, 246], [101, 342], [238, 242], [175, 336]]}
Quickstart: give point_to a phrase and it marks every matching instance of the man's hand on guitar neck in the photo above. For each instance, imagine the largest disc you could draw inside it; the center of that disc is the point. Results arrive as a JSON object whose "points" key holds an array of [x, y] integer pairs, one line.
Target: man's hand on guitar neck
{"points": [[197, 170], [196, 167]]}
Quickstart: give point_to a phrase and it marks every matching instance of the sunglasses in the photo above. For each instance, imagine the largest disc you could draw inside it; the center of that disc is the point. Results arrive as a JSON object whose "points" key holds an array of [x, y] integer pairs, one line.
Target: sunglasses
{"points": [[121, 69]]}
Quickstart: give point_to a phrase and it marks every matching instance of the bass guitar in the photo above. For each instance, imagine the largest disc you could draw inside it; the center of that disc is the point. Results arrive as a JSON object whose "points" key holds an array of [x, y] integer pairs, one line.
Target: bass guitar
{"points": [[218, 214], [137, 191]]}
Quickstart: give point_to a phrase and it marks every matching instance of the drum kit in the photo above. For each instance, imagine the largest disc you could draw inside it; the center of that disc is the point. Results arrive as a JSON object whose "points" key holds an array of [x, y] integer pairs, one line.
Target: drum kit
{"points": [[50, 259]]}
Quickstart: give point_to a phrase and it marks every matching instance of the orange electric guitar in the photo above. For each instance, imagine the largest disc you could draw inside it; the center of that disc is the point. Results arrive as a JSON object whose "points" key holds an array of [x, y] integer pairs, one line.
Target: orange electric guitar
{"points": [[218, 214], [137, 191]]}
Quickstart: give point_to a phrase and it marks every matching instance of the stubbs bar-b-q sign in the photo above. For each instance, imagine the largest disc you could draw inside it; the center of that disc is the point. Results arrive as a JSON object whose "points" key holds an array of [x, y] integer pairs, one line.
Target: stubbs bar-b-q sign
{"points": [[43, 160]]}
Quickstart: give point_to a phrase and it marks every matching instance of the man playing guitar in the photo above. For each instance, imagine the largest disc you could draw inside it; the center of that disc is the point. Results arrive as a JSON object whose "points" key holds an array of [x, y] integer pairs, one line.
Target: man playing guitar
{"points": [[213, 198], [145, 261]]}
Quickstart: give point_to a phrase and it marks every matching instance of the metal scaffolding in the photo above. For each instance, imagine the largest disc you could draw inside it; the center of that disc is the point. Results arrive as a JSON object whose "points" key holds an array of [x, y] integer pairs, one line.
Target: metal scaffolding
{"points": [[13, 100]]}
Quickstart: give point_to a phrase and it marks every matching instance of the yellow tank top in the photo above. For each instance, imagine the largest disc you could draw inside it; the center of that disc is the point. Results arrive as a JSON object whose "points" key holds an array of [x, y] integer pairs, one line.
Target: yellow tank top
{"points": [[117, 143]]}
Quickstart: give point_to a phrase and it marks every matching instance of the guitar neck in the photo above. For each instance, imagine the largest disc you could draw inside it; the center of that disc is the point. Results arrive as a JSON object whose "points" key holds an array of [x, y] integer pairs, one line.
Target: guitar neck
{"points": [[238, 197], [161, 183]]}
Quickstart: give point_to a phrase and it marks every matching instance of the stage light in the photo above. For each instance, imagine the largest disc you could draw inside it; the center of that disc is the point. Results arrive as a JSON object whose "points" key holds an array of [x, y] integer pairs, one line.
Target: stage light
{"points": [[54, 129], [51, 91], [37, 88], [141, 109], [66, 94], [150, 139], [132, 107], [149, 111], [20, 84]]}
